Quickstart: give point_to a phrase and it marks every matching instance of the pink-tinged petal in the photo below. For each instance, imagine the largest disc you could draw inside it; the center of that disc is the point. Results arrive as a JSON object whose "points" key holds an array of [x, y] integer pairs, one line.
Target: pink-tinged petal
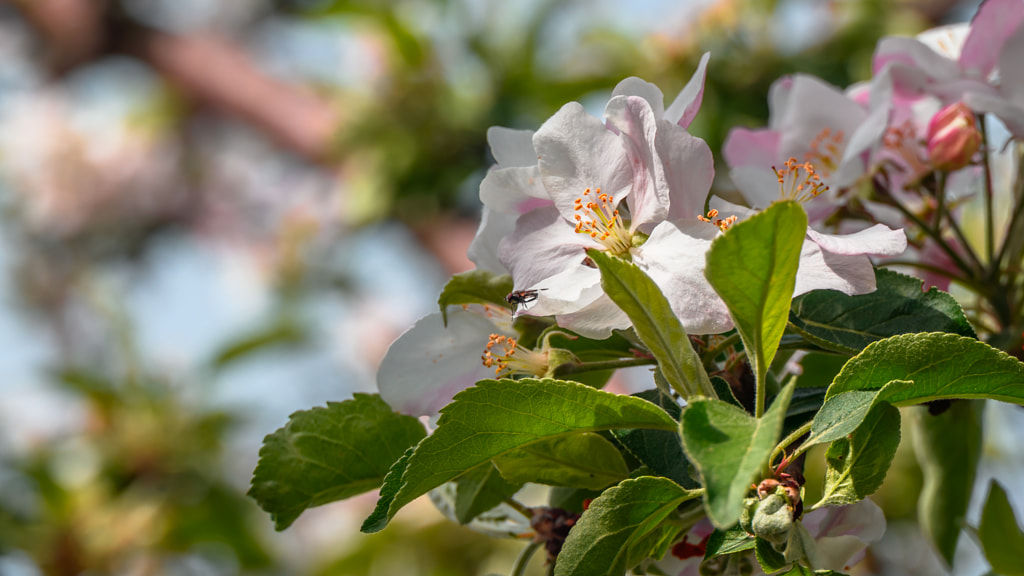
{"points": [[541, 246], [596, 320], [483, 250], [684, 108], [1011, 114], [577, 152], [995, 21], [633, 118], [689, 170], [759, 186], [843, 533], [674, 257], [430, 363], [634, 86], [814, 106], [866, 138], [1011, 67], [745, 147], [510, 189], [916, 54], [879, 240], [511, 148]]}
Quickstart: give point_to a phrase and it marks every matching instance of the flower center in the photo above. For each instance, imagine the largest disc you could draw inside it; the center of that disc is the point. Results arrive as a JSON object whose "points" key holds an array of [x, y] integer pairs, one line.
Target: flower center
{"points": [[598, 217], [826, 150], [799, 181], [507, 359], [902, 142], [722, 223]]}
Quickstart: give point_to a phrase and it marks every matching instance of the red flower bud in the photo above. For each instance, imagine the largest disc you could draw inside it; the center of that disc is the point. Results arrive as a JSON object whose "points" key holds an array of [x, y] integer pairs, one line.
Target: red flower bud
{"points": [[953, 137]]}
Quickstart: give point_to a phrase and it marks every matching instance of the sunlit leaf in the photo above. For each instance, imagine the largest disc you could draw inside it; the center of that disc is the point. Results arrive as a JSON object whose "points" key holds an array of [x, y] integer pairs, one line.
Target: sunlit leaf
{"points": [[328, 454], [611, 536], [730, 448], [474, 287], [898, 306], [753, 268], [655, 323], [496, 417], [856, 465]]}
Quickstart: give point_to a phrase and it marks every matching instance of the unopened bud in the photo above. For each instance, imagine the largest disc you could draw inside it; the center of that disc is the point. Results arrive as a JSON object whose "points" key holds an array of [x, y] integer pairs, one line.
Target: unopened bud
{"points": [[953, 137]]}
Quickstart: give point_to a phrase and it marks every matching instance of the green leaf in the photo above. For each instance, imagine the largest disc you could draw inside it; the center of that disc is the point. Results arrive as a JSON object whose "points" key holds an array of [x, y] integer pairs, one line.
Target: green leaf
{"points": [[899, 306], [939, 365], [800, 570], [770, 559], [730, 448], [328, 454], [753, 268], [660, 450], [1000, 533], [948, 447], [611, 536], [856, 464], [479, 490], [731, 541], [496, 417], [582, 461], [912, 369], [655, 323], [474, 287]]}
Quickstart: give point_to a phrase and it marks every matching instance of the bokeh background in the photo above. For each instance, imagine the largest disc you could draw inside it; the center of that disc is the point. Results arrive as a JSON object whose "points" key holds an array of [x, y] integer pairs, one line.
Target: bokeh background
{"points": [[215, 213]]}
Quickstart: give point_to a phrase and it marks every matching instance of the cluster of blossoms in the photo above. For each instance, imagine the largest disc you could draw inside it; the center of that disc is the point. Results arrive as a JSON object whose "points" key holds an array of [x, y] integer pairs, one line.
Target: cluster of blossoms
{"points": [[899, 151]]}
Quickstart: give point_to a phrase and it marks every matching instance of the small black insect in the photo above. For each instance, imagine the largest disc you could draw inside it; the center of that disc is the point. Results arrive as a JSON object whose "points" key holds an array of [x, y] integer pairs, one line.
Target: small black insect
{"points": [[519, 298]]}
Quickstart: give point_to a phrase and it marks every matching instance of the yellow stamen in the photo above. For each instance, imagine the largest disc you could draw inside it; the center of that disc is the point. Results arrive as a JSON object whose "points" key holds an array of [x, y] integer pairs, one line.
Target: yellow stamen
{"points": [[722, 223], [826, 150], [598, 217], [798, 181], [506, 361]]}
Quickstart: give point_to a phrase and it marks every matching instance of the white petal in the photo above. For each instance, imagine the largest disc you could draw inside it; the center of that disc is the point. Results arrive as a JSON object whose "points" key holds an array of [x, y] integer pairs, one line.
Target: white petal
{"points": [[511, 147], [542, 245], [879, 240], [841, 533], [577, 152], [566, 292], [429, 363], [634, 86], [820, 270], [674, 257], [758, 185], [483, 251], [689, 170], [596, 320], [513, 190]]}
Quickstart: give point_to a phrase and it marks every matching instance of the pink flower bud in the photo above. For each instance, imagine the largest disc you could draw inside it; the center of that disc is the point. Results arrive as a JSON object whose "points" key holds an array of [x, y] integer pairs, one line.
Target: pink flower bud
{"points": [[953, 137]]}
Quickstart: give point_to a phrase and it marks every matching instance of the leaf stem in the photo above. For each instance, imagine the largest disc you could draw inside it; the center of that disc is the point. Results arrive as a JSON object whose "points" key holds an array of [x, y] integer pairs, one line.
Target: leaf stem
{"points": [[520, 507], [935, 235], [578, 368], [523, 560], [989, 218], [711, 354], [789, 440]]}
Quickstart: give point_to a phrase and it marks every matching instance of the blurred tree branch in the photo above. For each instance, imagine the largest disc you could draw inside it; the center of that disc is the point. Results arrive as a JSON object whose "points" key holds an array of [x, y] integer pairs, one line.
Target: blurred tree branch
{"points": [[211, 71]]}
